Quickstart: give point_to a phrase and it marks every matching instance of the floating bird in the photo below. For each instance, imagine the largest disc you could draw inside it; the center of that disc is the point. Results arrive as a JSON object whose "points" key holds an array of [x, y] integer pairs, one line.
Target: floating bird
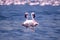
{"points": [[30, 23]]}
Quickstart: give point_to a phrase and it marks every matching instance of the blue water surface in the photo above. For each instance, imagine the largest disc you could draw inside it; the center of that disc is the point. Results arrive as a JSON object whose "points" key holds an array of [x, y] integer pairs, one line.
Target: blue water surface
{"points": [[12, 16]]}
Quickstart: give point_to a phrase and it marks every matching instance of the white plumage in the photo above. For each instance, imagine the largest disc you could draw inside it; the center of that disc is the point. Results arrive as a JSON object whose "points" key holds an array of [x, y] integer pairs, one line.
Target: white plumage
{"points": [[30, 23]]}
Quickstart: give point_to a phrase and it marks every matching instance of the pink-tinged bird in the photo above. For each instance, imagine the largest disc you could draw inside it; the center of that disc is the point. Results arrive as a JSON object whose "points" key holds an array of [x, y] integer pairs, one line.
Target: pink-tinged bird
{"points": [[30, 23]]}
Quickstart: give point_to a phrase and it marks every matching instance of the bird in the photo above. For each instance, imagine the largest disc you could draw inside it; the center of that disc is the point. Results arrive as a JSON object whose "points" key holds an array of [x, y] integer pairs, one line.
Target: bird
{"points": [[30, 23]]}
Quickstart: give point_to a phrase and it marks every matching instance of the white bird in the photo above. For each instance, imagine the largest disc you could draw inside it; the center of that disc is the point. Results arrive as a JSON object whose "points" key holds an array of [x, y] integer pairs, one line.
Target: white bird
{"points": [[30, 23]]}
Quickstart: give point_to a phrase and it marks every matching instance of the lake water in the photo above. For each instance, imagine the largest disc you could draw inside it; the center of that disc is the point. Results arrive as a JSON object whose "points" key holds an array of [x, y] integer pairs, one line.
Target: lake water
{"points": [[11, 18]]}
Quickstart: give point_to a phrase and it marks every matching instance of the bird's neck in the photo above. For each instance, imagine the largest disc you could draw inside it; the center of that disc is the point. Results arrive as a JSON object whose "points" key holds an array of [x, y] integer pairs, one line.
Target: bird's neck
{"points": [[27, 18], [32, 17]]}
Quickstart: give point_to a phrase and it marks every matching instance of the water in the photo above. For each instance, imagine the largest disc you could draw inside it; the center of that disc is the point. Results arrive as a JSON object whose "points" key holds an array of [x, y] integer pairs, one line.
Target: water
{"points": [[11, 18]]}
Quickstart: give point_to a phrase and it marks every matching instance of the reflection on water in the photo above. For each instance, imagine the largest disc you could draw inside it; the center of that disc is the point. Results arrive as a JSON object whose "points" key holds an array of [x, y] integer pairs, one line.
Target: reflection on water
{"points": [[11, 19]]}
